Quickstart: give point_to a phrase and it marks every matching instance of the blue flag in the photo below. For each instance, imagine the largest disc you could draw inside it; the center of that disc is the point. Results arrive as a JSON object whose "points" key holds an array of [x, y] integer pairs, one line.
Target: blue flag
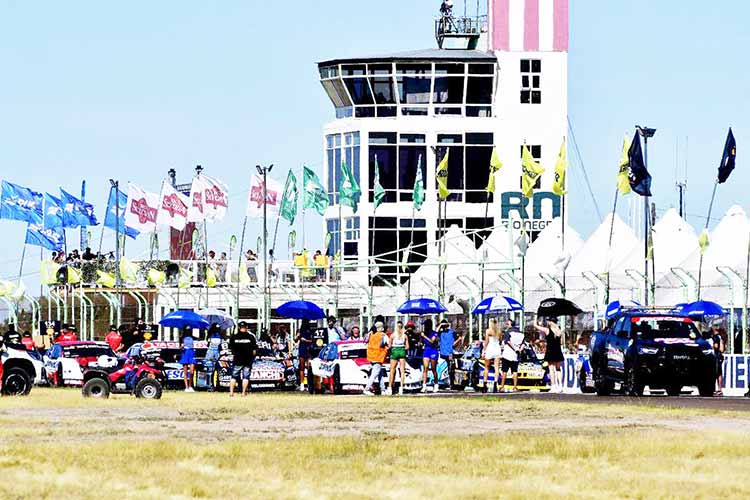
{"points": [[52, 239], [53, 211], [640, 179], [110, 219], [76, 212], [20, 203]]}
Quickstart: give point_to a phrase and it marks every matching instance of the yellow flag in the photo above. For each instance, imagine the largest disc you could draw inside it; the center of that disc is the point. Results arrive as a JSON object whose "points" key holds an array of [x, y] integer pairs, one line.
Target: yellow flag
{"points": [[442, 177], [531, 172], [128, 271], [703, 242], [495, 166], [6, 288], [49, 272], [74, 276], [183, 281], [107, 280], [19, 292], [561, 168], [210, 278], [623, 183], [156, 277]]}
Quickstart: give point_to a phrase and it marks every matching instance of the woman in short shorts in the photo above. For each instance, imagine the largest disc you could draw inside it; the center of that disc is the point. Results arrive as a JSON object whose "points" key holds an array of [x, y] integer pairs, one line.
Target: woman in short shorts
{"points": [[492, 352], [398, 345], [430, 355]]}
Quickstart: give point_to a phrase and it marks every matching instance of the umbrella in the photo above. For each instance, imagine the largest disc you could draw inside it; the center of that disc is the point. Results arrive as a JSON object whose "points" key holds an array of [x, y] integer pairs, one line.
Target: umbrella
{"points": [[184, 319], [614, 308], [702, 308], [552, 308], [213, 315], [497, 304], [300, 309], [422, 306]]}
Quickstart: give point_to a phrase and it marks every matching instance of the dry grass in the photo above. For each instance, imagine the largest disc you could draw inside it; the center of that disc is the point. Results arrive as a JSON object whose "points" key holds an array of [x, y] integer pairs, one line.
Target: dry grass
{"points": [[54, 444]]}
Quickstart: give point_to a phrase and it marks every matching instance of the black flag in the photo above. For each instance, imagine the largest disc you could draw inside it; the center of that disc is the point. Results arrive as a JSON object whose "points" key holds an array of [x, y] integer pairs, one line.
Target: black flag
{"points": [[727, 159], [640, 179]]}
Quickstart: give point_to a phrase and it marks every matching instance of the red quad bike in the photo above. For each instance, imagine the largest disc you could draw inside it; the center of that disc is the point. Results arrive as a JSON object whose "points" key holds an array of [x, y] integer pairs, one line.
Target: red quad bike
{"points": [[139, 376]]}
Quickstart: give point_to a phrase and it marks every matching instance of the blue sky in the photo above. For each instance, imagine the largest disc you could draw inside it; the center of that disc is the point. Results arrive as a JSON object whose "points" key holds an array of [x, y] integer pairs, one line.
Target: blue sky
{"points": [[93, 90]]}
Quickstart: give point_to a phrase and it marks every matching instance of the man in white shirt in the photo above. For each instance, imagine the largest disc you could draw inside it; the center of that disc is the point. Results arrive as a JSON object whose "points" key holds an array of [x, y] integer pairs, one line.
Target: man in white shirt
{"points": [[334, 332], [512, 345]]}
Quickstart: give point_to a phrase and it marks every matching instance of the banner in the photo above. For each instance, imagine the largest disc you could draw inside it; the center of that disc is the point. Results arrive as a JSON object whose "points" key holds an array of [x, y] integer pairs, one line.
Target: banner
{"points": [[208, 199], [76, 213], [115, 206], [52, 239], [255, 197], [20, 203], [141, 209], [53, 212], [173, 208]]}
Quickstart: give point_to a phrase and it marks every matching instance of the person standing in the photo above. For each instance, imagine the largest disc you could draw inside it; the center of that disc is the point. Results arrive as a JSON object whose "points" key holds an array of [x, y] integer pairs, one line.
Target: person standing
{"points": [[334, 332], [430, 355], [377, 350], [512, 344], [187, 360], [398, 344], [114, 339], [449, 340], [492, 353], [213, 353], [28, 341], [718, 343], [243, 346], [305, 339], [553, 355], [354, 333], [12, 336], [415, 341]]}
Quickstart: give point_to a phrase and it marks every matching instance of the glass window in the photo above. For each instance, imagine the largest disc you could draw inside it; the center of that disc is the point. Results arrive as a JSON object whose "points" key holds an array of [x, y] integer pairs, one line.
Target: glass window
{"points": [[450, 69], [531, 81], [382, 137], [479, 229], [353, 69], [414, 111], [359, 89], [388, 170], [479, 138], [414, 89], [379, 69], [449, 90], [450, 138], [386, 111], [479, 111], [383, 89], [482, 69], [409, 158], [414, 68], [364, 111], [412, 138], [479, 90], [341, 91]]}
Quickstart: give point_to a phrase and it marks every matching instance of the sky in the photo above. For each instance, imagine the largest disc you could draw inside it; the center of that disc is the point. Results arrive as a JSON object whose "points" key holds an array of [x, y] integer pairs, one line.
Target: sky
{"points": [[97, 90]]}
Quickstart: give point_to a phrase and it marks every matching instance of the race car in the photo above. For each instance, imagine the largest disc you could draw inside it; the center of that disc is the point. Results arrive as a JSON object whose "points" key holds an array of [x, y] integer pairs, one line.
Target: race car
{"points": [[470, 370], [18, 370], [340, 367], [413, 377], [271, 370], [170, 353], [64, 362]]}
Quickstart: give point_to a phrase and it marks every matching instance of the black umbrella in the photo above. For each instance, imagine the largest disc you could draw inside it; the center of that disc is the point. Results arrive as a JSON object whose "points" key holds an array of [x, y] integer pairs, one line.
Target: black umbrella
{"points": [[552, 308]]}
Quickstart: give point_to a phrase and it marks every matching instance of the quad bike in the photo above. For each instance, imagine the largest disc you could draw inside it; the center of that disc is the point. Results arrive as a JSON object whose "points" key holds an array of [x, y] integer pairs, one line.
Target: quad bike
{"points": [[139, 376], [16, 372]]}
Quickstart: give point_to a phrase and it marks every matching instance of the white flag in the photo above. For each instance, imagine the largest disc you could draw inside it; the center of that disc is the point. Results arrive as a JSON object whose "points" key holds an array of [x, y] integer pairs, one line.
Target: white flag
{"points": [[140, 211], [274, 191], [208, 199], [173, 207]]}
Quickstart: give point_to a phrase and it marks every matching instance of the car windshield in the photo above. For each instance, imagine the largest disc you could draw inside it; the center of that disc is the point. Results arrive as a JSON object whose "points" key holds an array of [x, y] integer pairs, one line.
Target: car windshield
{"points": [[527, 355], [359, 352], [664, 327], [265, 350], [87, 351]]}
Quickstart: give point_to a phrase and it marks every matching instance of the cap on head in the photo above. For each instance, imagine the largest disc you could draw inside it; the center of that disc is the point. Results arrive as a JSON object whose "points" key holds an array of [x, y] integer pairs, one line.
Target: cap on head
{"points": [[410, 324], [331, 319], [242, 324]]}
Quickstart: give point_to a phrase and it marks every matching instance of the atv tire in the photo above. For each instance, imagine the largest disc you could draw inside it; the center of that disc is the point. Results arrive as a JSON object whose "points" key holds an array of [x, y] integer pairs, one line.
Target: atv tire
{"points": [[148, 388], [96, 388], [16, 382]]}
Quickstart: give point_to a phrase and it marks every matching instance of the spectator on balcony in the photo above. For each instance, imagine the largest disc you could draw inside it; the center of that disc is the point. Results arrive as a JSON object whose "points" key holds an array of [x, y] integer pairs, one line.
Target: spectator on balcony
{"points": [[221, 268], [321, 264], [88, 254], [354, 333], [446, 8], [252, 264]]}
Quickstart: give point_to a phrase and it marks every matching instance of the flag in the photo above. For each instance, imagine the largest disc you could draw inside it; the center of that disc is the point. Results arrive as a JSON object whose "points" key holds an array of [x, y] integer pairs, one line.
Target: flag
{"points": [[52, 239], [107, 280], [495, 166], [418, 192], [74, 275], [315, 195], [20, 203], [128, 271], [288, 209], [405, 259], [442, 177], [727, 159], [156, 277], [53, 212], [141, 209], [531, 170], [623, 183], [561, 168], [48, 272], [274, 190], [703, 241], [118, 201], [185, 278], [173, 207], [379, 192], [292, 239], [349, 191], [6, 288], [208, 199], [19, 292], [638, 176], [76, 212]]}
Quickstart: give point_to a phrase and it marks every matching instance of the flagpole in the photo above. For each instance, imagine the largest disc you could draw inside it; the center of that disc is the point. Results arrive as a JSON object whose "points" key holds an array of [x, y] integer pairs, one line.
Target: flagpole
{"points": [[302, 253], [118, 278], [205, 253], [372, 256], [705, 228], [340, 255], [411, 244], [609, 245], [486, 214], [440, 245], [564, 255], [239, 266]]}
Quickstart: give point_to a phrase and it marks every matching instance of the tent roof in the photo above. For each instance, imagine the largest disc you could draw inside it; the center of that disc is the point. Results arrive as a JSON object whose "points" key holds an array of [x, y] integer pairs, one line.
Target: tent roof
{"points": [[594, 254]]}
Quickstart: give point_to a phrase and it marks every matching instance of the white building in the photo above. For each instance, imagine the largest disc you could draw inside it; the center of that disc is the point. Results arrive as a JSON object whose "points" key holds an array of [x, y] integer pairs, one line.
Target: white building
{"points": [[503, 84]]}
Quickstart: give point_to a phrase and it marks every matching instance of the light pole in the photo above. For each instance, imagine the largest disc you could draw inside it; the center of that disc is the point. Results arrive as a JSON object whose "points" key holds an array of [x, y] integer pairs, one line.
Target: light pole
{"points": [[646, 133], [263, 171], [118, 279]]}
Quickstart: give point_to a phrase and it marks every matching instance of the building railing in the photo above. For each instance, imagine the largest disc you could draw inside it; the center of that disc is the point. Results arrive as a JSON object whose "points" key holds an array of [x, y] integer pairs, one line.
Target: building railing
{"points": [[459, 27]]}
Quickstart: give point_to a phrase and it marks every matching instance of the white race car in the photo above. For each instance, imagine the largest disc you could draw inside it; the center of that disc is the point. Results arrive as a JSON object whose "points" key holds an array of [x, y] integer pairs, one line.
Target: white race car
{"points": [[340, 367], [65, 361], [413, 376], [20, 369]]}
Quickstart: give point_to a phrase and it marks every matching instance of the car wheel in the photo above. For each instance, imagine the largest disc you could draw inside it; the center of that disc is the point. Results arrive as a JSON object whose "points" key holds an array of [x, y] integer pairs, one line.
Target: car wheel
{"points": [[707, 390], [16, 382], [96, 388], [602, 386], [674, 390], [633, 386], [148, 388], [337, 389], [582, 381]]}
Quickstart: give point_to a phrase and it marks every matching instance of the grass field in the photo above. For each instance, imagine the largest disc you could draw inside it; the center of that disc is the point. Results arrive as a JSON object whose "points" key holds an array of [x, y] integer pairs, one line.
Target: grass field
{"points": [[54, 444]]}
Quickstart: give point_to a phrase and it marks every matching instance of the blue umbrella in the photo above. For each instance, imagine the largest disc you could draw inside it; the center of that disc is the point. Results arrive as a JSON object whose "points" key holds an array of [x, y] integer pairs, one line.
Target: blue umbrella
{"points": [[217, 316], [300, 309], [702, 308], [500, 303], [184, 319], [422, 306], [614, 308]]}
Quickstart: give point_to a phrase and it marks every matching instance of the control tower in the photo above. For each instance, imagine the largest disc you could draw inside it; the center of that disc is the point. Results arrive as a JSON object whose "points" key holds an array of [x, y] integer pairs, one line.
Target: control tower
{"points": [[497, 78]]}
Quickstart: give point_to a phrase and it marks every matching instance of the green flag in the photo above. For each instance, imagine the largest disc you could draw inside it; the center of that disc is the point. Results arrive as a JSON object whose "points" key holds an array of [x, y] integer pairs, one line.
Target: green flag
{"points": [[418, 194], [292, 238], [379, 196], [349, 191], [315, 195], [288, 210]]}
